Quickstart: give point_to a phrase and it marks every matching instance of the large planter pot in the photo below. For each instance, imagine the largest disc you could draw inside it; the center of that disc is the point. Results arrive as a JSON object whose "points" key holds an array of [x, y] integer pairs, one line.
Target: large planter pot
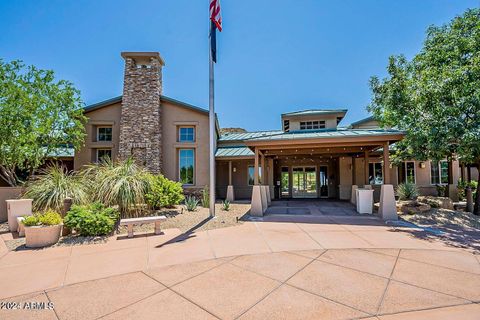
{"points": [[42, 236]]}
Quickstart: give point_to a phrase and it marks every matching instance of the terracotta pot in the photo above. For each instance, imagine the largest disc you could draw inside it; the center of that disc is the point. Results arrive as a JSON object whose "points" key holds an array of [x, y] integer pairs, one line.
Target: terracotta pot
{"points": [[42, 236]]}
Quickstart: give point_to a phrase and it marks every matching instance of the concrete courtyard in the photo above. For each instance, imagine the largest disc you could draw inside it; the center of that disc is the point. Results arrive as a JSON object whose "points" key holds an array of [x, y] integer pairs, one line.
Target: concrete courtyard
{"points": [[319, 267]]}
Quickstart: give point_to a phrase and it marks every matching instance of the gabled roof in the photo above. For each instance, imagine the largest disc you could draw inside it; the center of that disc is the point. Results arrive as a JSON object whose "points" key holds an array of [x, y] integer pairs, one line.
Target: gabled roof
{"points": [[118, 99], [361, 121], [311, 112]]}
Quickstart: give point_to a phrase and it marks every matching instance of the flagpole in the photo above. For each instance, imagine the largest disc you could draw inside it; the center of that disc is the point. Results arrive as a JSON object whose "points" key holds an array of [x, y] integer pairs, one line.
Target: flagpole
{"points": [[211, 118]]}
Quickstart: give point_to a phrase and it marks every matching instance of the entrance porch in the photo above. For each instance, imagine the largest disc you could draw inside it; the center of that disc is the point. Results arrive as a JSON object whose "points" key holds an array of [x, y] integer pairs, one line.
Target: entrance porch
{"points": [[312, 207], [319, 168]]}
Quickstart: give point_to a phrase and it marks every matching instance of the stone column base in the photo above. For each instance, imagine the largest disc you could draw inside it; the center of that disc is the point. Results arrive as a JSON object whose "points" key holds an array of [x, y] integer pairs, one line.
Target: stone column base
{"points": [[267, 191], [388, 208], [230, 193], [256, 205], [263, 193], [353, 196], [453, 192]]}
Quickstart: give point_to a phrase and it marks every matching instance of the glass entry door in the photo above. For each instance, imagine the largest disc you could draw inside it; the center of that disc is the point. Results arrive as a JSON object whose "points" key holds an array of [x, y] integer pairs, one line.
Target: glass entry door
{"points": [[323, 182], [304, 183]]}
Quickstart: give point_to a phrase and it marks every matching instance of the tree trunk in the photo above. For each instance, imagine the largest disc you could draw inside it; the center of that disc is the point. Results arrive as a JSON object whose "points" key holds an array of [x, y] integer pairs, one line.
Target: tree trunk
{"points": [[476, 209]]}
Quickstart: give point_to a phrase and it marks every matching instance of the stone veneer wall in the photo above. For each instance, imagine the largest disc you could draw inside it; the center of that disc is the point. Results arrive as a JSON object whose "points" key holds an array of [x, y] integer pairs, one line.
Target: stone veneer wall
{"points": [[140, 124]]}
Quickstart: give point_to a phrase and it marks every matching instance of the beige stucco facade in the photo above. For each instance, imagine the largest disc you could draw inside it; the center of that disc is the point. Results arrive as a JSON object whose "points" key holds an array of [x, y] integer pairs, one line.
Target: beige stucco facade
{"points": [[174, 116], [311, 156]]}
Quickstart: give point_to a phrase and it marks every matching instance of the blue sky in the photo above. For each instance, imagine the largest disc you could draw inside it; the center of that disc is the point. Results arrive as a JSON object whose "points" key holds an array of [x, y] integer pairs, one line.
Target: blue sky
{"points": [[274, 56]]}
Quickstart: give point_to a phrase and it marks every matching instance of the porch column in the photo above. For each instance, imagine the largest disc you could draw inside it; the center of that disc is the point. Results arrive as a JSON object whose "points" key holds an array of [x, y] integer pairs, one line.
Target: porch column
{"points": [[255, 175], [386, 163], [256, 204], [264, 173], [469, 172], [366, 168], [230, 191]]}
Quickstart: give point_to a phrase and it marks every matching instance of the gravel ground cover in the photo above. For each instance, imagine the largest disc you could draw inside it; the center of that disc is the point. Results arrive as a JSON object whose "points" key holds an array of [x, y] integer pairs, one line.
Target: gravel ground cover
{"points": [[177, 217], [458, 228]]}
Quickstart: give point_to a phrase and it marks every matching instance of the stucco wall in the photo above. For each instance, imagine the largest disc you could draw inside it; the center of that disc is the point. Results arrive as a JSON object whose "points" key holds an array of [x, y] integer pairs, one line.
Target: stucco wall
{"points": [[173, 115], [239, 178], [7, 193], [109, 115]]}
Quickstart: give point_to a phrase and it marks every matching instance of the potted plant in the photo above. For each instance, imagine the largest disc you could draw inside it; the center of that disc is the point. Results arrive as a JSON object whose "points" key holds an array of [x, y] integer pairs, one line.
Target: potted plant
{"points": [[42, 229]]}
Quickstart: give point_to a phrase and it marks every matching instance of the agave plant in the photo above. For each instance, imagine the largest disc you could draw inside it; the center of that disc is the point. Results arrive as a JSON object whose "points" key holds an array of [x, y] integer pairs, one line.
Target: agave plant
{"points": [[52, 185], [123, 184], [191, 203], [226, 205], [407, 191]]}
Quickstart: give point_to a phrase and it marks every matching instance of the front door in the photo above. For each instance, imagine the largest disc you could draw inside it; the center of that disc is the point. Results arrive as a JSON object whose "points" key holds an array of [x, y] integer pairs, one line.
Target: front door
{"points": [[323, 182], [304, 184]]}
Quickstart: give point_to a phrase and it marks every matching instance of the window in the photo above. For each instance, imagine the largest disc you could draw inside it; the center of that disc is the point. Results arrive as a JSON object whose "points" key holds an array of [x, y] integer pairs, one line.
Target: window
{"points": [[286, 125], [251, 175], [406, 172], [439, 172], [186, 164], [104, 134], [312, 125], [103, 154], [375, 173], [186, 134]]}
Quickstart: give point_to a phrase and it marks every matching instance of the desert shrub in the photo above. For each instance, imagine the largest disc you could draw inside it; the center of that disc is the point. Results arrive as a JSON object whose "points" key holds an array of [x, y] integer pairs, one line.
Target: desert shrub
{"points": [[462, 188], [91, 220], [205, 197], [123, 184], [191, 203], [163, 192], [407, 191], [52, 185], [47, 218], [226, 205], [441, 190]]}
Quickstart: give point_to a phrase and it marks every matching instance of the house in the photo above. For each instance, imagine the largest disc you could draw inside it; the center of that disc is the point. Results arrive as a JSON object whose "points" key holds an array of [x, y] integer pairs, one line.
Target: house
{"points": [[312, 155]]}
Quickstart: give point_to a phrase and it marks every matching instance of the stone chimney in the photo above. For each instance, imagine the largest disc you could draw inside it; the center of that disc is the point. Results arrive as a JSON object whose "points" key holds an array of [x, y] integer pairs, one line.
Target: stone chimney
{"points": [[141, 119]]}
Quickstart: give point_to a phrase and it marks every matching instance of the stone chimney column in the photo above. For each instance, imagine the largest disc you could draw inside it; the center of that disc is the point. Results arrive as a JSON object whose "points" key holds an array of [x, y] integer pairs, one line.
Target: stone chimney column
{"points": [[141, 118]]}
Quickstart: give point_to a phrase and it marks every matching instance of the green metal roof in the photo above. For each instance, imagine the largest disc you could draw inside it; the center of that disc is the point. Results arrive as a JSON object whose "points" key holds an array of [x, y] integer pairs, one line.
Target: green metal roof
{"points": [[310, 112], [367, 119], [239, 136], [233, 152], [327, 133]]}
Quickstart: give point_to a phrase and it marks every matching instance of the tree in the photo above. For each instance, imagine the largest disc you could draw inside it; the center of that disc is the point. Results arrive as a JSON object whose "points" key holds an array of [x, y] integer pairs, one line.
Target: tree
{"points": [[435, 97], [37, 116]]}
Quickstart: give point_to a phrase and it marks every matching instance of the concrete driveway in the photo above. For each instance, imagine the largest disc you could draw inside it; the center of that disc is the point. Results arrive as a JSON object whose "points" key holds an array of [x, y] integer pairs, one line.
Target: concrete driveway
{"points": [[343, 268]]}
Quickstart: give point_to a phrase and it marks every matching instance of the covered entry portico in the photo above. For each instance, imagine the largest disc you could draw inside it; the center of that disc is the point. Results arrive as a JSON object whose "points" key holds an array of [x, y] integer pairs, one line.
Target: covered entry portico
{"points": [[321, 164]]}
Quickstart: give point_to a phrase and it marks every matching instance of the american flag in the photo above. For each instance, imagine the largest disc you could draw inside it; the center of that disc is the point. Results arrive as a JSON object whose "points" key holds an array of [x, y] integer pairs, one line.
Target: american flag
{"points": [[215, 14], [216, 23]]}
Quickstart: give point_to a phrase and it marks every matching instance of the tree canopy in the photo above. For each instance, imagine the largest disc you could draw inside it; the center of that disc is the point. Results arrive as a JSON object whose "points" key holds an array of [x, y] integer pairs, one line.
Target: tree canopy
{"points": [[435, 96], [38, 114]]}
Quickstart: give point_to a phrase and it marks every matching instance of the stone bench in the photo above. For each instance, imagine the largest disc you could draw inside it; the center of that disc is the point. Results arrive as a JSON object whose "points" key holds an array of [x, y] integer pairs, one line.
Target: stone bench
{"points": [[130, 222]]}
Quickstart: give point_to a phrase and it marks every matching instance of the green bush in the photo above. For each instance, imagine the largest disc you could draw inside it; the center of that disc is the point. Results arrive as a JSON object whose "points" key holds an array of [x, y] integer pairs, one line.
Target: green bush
{"points": [[91, 220], [441, 190], [191, 203], [163, 192], [226, 205], [407, 191], [462, 188], [123, 184], [47, 218], [52, 185], [205, 197]]}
